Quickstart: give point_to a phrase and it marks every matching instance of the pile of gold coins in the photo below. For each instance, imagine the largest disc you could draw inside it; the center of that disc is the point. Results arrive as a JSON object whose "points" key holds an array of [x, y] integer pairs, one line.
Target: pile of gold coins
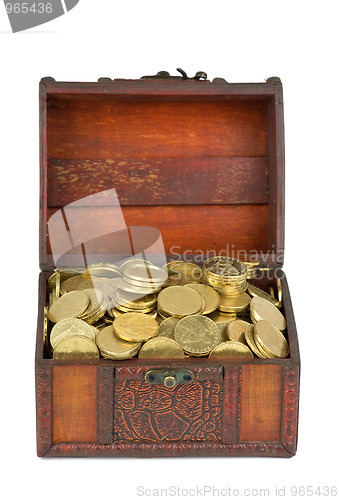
{"points": [[177, 311]]}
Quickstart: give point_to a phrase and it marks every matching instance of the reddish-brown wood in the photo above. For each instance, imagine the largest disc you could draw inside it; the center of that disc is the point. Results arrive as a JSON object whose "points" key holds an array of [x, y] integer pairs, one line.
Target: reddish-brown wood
{"points": [[74, 404], [194, 229], [118, 127], [260, 407], [162, 144], [230, 427], [159, 130], [147, 181]]}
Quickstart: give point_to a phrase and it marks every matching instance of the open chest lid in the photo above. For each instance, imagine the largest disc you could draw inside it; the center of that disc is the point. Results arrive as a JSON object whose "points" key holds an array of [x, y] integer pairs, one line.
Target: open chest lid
{"points": [[176, 166]]}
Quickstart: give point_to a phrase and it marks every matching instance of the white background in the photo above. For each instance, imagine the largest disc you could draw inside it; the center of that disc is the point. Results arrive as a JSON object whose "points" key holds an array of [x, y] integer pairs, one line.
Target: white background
{"points": [[243, 41]]}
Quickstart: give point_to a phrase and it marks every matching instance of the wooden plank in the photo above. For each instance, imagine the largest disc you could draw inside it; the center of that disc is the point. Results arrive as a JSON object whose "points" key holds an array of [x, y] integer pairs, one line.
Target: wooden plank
{"points": [[169, 181], [230, 422], [192, 229], [43, 388], [105, 403], [260, 402], [74, 403], [118, 128]]}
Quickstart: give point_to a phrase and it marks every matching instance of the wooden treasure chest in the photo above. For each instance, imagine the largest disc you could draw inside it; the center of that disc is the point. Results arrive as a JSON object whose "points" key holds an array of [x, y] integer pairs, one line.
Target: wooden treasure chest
{"points": [[163, 169]]}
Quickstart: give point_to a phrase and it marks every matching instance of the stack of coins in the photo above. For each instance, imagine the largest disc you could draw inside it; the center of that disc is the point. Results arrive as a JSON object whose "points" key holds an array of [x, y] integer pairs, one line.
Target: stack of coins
{"points": [[262, 309], [92, 314], [141, 277], [227, 275], [96, 308], [113, 347], [132, 302]]}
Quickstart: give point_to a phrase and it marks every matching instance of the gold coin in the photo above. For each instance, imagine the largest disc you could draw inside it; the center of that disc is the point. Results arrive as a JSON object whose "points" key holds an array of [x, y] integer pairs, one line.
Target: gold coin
{"points": [[225, 269], [96, 300], [142, 290], [64, 274], [167, 267], [144, 310], [252, 268], [176, 280], [113, 347], [234, 304], [70, 284], [221, 317], [135, 327], [254, 291], [211, 296], [70, 327], [236, 330], [109, 271], [145, 273], [261, 309], [167, 326], [249, 336], [134, 300], [271, 340], [57, 284], [187, 270], [231, 350], [70, 305], [180, 301], [223, 331], [93, 282], [45, 328], [135, 261], [76, 347], [197, 334], [161, 347]]}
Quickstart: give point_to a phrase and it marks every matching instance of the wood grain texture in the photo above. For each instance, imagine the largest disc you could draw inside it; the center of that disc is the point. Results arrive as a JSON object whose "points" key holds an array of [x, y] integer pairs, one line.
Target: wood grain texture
{"points": [[118, 128], [105, 390], [183, 228], [169, 181], [260, 402], [74, 403], [230, 423]]}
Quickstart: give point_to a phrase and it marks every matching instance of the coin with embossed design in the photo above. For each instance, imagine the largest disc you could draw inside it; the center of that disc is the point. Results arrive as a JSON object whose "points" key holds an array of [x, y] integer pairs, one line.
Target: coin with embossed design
{"points": [[197, 334], [70, 327], [76, 347]]}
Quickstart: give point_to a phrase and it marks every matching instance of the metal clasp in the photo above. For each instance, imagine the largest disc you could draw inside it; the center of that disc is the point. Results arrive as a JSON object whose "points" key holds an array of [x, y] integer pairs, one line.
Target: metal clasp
{"points": [[169, 378], [200, 75]]}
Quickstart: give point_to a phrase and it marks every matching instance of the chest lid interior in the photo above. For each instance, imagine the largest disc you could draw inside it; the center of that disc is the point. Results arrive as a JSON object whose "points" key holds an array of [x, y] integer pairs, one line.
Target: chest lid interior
{"points": [[178, 166]]}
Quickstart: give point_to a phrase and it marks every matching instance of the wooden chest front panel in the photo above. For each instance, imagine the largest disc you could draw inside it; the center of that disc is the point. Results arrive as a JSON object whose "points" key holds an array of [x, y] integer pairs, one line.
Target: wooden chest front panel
{"points": [[74, 404], [234, 406], [155, 413]]}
